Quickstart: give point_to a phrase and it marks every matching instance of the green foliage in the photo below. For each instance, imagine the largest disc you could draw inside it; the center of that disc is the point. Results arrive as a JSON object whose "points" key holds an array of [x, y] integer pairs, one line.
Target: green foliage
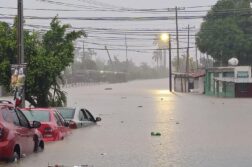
{"points": [[226, 32], [45, 60], [53, 55], [7, 53]]}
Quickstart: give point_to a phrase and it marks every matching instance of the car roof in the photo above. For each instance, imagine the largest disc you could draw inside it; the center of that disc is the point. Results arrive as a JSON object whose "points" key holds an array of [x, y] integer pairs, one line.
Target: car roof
{"points": [[65, 108], [39, 109]]}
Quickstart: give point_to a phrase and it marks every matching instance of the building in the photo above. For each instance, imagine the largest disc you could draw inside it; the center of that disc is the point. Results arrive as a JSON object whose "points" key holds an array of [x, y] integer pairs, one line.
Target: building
{"points": [[231, 81], [192, 82]]}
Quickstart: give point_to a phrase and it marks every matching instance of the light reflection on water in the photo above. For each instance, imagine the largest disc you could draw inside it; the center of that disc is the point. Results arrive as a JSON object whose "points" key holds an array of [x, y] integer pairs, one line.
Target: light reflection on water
{"points": [[164, 121]]}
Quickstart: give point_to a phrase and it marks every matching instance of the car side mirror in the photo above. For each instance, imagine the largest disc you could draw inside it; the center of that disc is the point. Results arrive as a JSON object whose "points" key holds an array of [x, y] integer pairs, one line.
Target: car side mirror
{"points": [[98, 119], [36, 124], [66, 124]]}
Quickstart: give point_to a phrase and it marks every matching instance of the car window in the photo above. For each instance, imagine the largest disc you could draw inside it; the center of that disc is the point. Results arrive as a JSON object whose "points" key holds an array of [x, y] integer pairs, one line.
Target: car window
{"points": [[22, 119], [10, 116], [57, 119], [89, 115], [37, 115], [60, 117], [67, 113], [6, 114], [82, 115]]}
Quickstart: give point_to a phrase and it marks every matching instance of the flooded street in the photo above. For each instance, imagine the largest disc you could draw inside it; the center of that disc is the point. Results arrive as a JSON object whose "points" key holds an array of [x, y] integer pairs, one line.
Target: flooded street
{"points": [[196, 130]]}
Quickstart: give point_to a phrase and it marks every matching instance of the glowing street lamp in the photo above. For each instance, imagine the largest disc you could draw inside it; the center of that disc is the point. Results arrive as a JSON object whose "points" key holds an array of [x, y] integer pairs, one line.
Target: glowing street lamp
{"points": [[165, 37]]}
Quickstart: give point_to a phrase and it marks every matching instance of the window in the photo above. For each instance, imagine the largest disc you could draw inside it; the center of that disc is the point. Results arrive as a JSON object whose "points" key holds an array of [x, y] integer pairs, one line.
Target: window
{"points": [[37, 115], [10, 116], [57, 118], [67, 113], [82, 115], [22, 119], [228, 74], [60, 117], [216, 74], [90, 116], [242, 74]]}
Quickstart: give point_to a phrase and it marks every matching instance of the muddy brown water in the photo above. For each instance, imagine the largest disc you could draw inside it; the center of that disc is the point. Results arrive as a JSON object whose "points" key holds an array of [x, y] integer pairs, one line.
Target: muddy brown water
{"points": [[196, 130]]}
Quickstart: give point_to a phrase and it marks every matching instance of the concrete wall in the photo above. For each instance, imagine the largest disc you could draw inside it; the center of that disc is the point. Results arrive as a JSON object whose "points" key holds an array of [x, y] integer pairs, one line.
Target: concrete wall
{"points": [[180, 84]]}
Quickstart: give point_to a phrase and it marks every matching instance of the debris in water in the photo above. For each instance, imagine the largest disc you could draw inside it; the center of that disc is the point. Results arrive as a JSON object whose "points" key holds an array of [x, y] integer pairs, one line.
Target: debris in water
{"points": [[155, 134], [123, 97], [140, 106], [103, 154], [162, 99], [108, 89], [177, 123]]}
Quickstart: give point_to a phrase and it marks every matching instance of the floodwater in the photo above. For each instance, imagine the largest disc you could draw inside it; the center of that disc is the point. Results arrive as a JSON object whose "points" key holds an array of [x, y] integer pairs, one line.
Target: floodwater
{"points": [[196, 130]]}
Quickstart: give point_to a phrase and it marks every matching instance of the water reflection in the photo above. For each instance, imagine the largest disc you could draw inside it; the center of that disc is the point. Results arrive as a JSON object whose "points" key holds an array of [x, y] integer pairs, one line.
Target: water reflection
{"points": [[164, 122]]}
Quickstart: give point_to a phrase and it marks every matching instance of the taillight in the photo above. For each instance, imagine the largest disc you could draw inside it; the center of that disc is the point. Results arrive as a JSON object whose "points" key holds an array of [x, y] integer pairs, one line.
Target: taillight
{"points": [[48, 132], [72, 125], [3, 133]]}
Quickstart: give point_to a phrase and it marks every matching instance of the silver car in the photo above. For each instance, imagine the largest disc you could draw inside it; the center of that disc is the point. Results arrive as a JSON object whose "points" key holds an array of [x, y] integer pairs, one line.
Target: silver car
{"points": [[78, 117]]}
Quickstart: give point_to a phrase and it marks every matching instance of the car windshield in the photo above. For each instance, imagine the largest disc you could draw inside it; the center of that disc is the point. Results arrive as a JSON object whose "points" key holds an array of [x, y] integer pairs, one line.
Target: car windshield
{"points": [[37, 115], [67, 113]]}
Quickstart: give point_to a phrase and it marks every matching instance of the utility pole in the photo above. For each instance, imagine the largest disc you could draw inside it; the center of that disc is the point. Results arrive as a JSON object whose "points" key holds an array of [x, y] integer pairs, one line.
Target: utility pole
{"points": [[126, 49], [20, 33], [111, 62], [188, 47], [20, 42], [170, 66], [164, 59], [176, 9], [196, 55], [177, 38], [83, 47]]}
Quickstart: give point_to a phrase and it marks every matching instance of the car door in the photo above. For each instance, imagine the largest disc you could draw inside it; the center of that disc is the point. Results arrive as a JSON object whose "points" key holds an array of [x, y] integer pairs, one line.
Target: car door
{"points": [[85, 118], [24, 131], [60, 125], [65, 129], [90, 116]]}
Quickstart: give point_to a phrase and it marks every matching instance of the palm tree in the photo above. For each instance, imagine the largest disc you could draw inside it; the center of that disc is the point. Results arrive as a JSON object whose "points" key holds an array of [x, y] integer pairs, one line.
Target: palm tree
{"points": [[160, 45], [157, 55]]}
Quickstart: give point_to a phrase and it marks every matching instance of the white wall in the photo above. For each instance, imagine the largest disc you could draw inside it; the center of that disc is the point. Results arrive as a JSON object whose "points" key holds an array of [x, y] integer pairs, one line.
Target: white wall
{"points": [[243, 68]]}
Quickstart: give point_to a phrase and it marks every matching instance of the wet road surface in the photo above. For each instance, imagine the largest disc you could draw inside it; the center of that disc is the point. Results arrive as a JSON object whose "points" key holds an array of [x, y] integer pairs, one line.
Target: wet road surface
{"points": [[196, 131]]}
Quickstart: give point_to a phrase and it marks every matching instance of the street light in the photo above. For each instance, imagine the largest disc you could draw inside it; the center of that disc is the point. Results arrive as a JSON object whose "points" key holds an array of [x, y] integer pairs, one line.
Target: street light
{"points": [[165, 37]]}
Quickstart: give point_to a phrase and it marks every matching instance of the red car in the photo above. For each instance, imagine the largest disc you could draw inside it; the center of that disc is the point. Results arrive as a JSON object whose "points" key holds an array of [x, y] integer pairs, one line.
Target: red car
{"points": [[17, 136], [53, 126]]}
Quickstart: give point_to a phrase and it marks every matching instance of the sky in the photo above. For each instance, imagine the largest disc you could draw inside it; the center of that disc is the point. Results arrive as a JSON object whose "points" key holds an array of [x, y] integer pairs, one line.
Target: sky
{"points": [[140, 45]]}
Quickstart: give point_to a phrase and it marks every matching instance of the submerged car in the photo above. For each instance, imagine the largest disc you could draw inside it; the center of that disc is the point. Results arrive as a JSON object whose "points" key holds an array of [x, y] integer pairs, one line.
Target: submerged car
{"points": [[53, 126], [17, 136], [78, 117]]}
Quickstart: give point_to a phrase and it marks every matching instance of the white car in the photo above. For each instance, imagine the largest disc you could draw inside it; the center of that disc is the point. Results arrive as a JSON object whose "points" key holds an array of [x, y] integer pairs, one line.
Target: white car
{"points": [[78, 117]]}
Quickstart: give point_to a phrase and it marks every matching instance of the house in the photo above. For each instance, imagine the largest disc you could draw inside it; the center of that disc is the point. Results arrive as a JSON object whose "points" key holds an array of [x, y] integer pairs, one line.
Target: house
{"points": [[231, 81], [189, 82], [198, 79]]}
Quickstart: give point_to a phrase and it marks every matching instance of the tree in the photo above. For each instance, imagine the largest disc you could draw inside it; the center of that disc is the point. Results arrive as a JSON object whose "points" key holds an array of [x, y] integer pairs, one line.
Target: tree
{"points": [[182, 66], [157, 55], [226, 32], [7, 53], [53, 55]]}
